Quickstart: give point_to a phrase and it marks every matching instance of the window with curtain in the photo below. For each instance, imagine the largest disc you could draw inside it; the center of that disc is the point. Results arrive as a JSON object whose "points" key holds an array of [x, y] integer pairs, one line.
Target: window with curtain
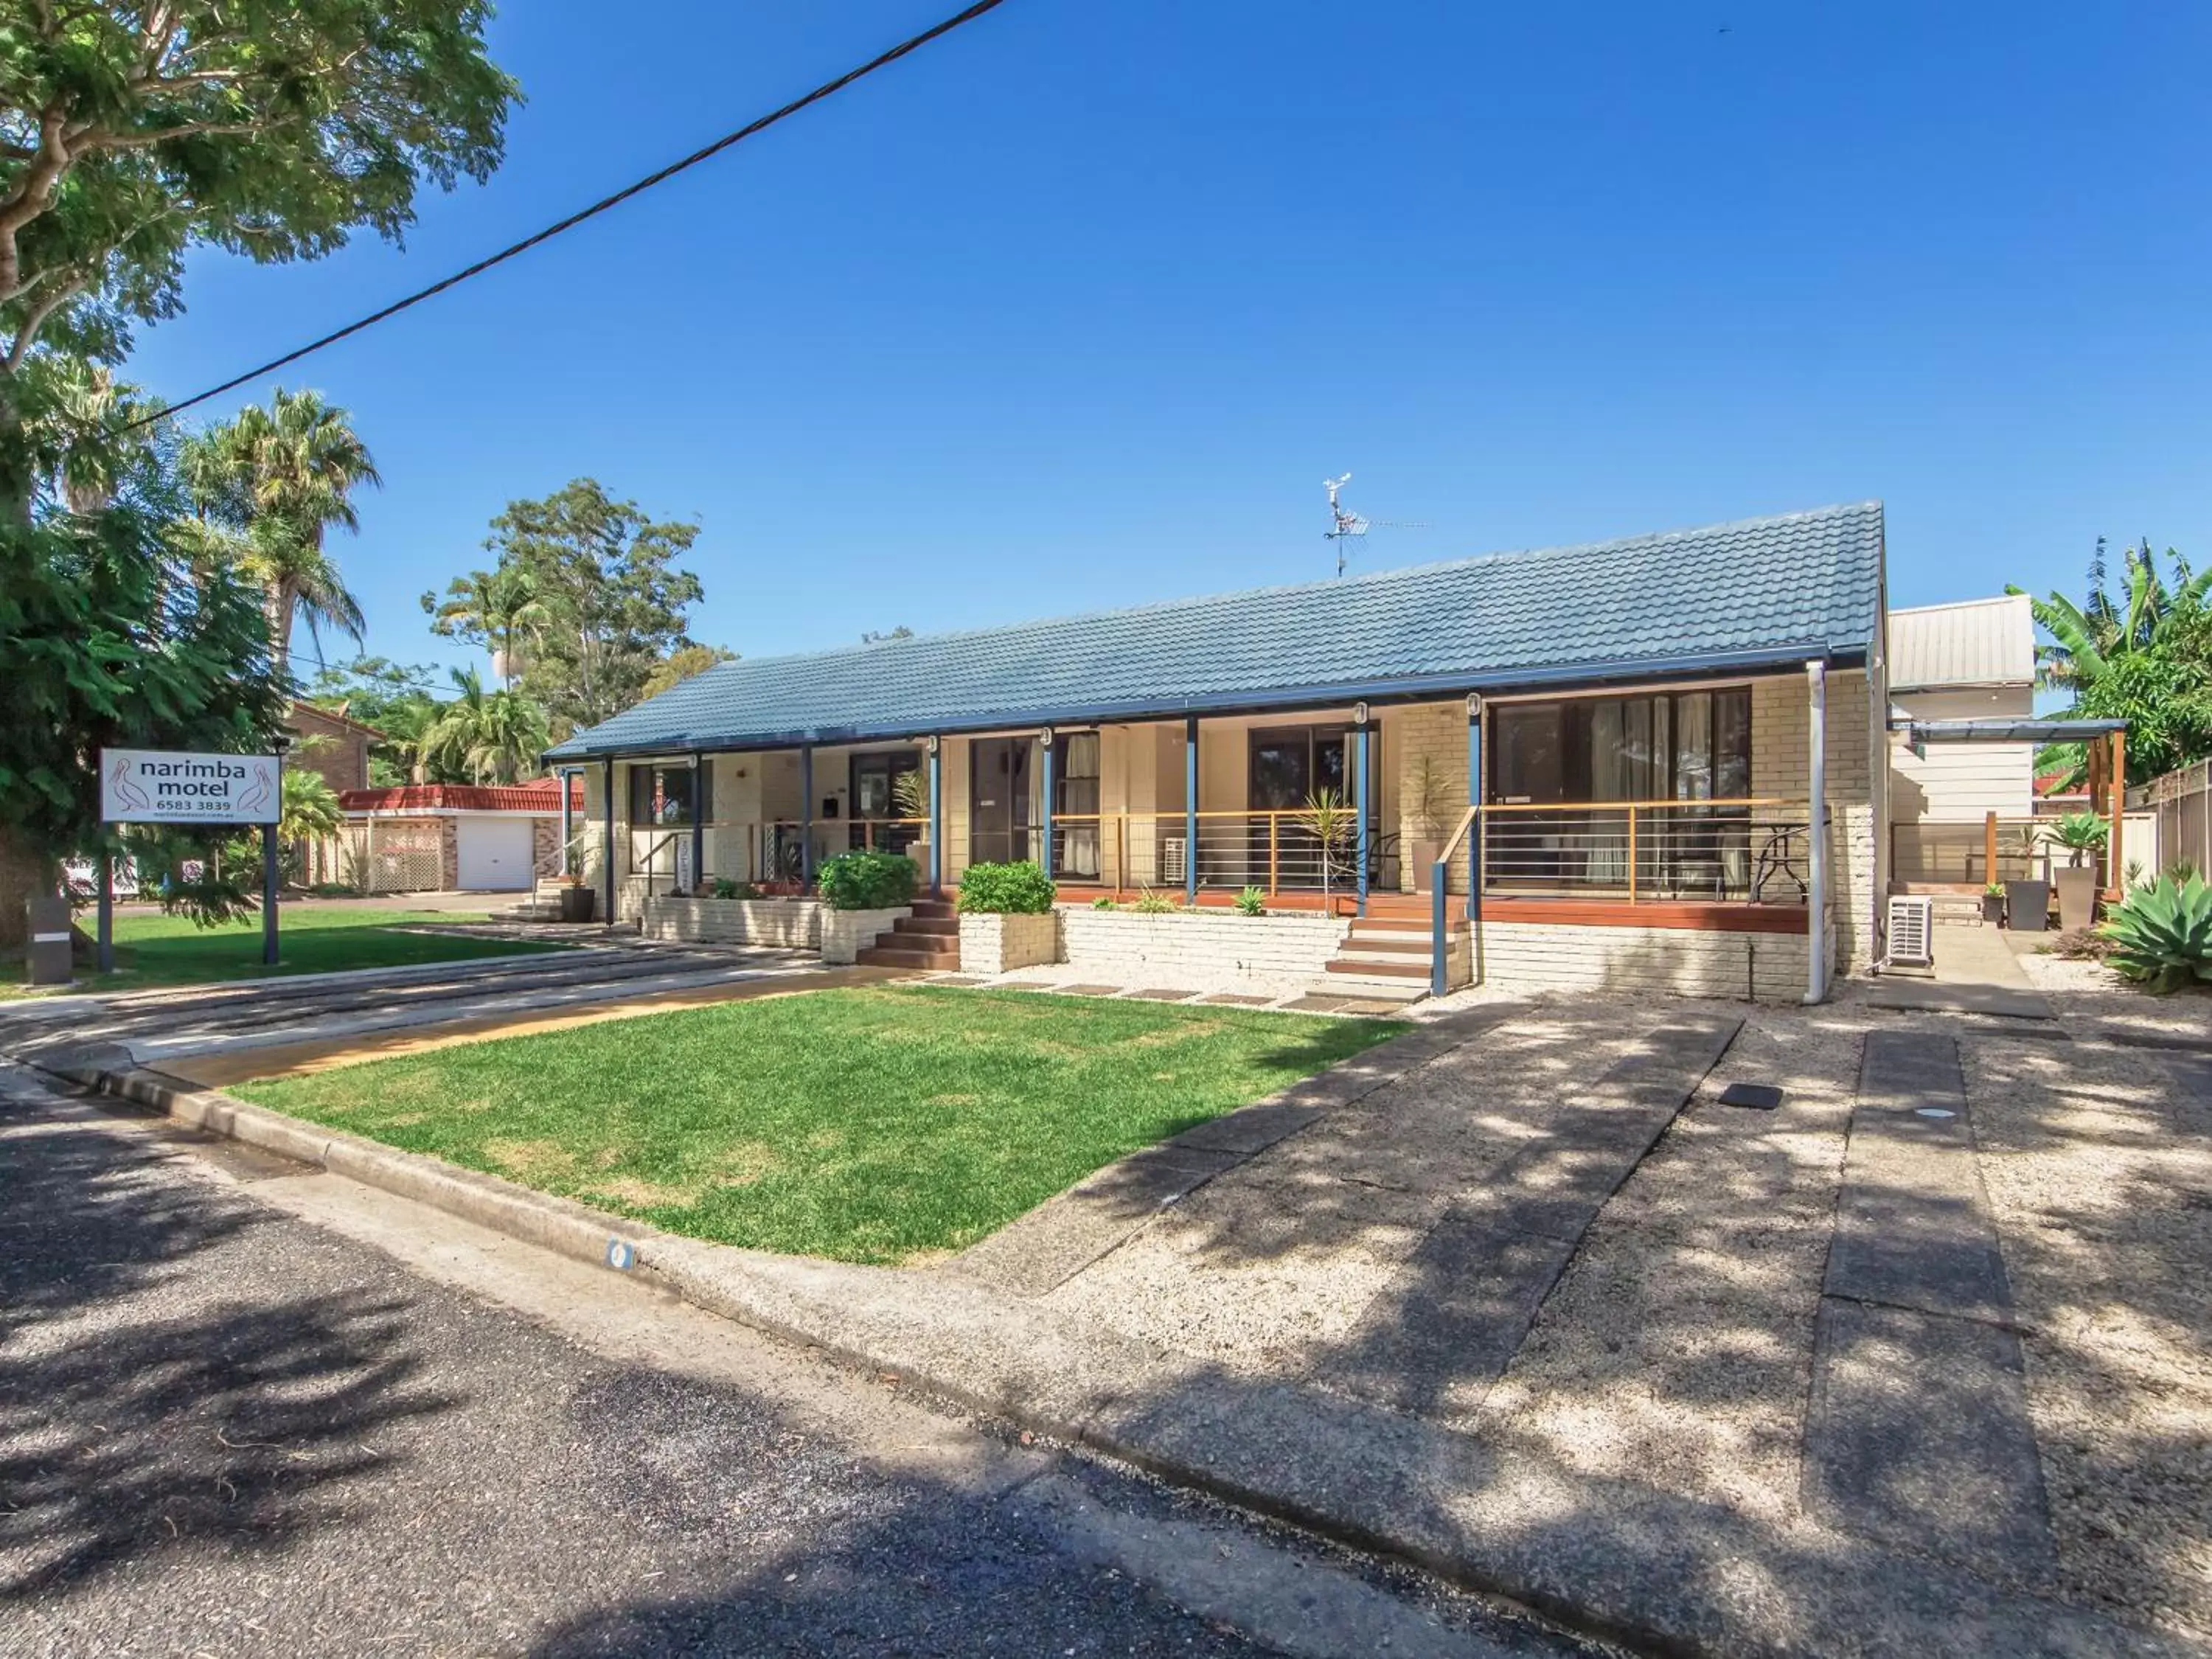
{"points": [[664, 795]]}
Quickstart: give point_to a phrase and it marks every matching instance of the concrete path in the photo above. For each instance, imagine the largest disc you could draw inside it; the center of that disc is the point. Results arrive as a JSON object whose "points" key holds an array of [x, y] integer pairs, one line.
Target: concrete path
{"points": [[252, 1412], [1976, 972]]}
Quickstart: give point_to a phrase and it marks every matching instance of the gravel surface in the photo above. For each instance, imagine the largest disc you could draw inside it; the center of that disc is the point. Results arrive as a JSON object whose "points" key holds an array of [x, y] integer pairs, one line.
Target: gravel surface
{"points": [[1269, 1268], [2098, 1161], [226, 1430], [1677, 1347]]}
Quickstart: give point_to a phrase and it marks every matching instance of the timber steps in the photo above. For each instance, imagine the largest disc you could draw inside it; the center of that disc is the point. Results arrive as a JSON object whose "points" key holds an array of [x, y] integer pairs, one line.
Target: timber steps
{"points": [[1391, 957]]}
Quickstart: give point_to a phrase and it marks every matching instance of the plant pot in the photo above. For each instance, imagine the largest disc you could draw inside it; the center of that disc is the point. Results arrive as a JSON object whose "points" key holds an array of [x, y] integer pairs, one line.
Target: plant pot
{"points": [[1993, 908], [2077, 897], [579, 903], [1425, 864], [2027, 905]]}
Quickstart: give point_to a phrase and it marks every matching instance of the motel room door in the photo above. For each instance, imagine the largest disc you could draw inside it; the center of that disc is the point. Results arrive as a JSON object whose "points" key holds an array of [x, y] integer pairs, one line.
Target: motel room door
{"points": [[1000, 808]]}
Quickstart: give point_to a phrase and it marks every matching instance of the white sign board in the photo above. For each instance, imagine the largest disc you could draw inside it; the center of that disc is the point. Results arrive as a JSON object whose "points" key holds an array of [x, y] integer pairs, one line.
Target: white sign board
{"points": [[151, 785]]}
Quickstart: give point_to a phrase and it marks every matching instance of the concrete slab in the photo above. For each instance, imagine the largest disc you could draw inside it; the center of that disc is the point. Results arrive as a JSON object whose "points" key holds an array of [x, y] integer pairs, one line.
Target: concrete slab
{"points": [[1928, 996], [1165, 994], [1064, 1235], [1237, 999], [1317, 1005], [1912, 1228], [1919, 1435], [1092, 990]]}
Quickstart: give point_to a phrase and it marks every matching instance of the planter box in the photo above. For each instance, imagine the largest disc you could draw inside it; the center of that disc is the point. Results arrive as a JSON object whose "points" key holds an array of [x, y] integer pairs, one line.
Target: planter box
{"points": [[2027, 906], [1993, 909], [783, 924], [846, 933], [1000, 945], [579, 903], [2077, 897], [1202, 948], [1423, 855]]}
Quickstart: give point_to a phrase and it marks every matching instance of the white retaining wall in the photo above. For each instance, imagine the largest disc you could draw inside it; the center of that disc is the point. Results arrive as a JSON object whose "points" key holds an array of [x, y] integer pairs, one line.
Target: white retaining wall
{"points": [[789, 924], [846, 933], [1675, 961], [1127, 948], [1000, 945]]}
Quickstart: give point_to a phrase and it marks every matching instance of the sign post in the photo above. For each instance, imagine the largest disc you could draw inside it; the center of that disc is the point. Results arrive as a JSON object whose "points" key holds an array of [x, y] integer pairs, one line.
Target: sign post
{"points": [[151, 785]]}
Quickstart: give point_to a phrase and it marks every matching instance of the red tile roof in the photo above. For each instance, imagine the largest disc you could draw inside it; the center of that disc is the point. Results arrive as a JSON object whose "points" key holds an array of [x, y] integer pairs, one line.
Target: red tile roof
{"points": [[540, 795]]}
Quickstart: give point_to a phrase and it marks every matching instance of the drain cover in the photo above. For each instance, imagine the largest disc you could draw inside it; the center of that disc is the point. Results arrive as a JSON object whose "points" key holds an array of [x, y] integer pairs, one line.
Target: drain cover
{"points": [[1759, 1097]]}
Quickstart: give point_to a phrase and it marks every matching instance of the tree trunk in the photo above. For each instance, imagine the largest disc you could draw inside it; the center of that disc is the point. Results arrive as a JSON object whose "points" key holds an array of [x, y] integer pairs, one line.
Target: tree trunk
{"points": [[25, 873]]}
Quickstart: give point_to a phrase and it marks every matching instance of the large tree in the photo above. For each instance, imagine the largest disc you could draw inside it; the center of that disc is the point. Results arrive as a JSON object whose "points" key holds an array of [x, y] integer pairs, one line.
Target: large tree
{"points": [[614, 597], [498, 610], [496, 737], [132, 132], [2144, 656]]}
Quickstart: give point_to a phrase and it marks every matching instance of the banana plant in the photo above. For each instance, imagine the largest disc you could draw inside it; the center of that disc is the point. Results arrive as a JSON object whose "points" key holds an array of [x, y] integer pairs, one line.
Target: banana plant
{"points": [[2161, 935]]}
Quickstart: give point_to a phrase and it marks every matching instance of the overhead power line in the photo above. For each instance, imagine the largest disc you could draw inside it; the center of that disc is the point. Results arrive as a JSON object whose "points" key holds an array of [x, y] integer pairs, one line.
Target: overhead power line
{"points": [[828, 89]]}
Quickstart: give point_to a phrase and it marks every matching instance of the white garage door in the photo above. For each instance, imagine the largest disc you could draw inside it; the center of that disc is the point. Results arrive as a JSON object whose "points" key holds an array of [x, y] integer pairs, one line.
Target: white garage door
{"points": [[494, 855]]}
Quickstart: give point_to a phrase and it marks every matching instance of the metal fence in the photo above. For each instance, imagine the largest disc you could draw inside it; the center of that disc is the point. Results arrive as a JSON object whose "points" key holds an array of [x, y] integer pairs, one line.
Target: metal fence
{"points": [[2179, 807]]}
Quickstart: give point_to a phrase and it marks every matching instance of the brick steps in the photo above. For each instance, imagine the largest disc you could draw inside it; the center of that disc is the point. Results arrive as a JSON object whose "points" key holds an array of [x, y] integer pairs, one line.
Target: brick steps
{"points": [[929, 939]]}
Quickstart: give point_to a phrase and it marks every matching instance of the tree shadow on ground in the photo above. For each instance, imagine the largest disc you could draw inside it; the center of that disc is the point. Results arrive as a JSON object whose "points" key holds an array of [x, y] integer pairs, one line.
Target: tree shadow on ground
{"points": [[227, 1425]]}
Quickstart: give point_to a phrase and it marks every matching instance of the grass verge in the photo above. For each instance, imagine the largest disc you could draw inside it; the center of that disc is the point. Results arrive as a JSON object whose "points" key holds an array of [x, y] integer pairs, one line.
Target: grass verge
{"points": [[866, 1125], [159, 949]]}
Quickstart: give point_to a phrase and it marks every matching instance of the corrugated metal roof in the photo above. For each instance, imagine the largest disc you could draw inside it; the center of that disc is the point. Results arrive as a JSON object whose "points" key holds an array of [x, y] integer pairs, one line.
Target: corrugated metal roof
{"points": [[1756, 590], [1974, 642]]}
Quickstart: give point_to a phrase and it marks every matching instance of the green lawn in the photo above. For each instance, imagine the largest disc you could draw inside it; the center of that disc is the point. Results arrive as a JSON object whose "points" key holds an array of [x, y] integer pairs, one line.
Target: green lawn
{"points": [[867, 1125], [158, 950]]}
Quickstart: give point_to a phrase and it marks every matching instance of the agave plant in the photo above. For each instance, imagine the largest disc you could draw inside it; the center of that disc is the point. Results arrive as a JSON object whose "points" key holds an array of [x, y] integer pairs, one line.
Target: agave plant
{"points": [[2161, 935], [2082, 834]]}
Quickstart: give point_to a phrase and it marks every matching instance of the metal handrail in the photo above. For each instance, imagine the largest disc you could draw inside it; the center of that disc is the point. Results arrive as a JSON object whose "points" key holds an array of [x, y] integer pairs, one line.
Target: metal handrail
{"points": [[653, 852]]}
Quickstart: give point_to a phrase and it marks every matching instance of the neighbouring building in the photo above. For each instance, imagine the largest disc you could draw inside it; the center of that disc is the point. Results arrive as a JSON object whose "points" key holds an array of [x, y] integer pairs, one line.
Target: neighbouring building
{"points": [[452, 837], [1974, 660], [330, 745], [1675, 747]]}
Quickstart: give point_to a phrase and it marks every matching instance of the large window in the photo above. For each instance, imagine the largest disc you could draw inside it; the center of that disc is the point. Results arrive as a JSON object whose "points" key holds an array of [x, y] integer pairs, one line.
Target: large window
{"points": [[1671, 745], [1607, 794], [664, 795]]}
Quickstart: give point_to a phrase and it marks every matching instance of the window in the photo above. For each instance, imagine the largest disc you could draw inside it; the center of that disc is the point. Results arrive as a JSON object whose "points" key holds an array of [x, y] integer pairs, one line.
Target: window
{"points": [[663, 795], [1677, 745]]}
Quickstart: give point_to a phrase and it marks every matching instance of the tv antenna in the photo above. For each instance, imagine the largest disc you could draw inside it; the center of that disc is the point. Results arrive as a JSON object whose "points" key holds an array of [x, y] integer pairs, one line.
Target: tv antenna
{"points": [[1345, 523]]}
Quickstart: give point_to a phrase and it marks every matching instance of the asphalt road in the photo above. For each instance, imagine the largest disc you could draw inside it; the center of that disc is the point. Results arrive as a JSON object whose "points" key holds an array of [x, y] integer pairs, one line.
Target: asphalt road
{"points": [[248, 1410]]}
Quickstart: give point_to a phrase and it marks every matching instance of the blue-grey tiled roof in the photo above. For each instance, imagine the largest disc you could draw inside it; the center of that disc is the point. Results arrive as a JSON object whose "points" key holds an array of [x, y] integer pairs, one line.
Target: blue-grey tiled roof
{"points": [[1760, 590]]}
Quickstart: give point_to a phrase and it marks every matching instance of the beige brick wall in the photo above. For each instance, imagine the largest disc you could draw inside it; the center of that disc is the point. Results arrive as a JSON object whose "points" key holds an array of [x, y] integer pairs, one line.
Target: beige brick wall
{"points": [[1436, 732], [1125, 948], [790, 924], [1781, 732], [999, 944], [1670, 961]]}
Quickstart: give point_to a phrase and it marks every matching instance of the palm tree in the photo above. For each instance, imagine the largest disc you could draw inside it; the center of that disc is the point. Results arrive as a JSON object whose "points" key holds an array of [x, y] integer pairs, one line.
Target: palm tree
{"points": [[83, 446], [502, 605], [284, 476], [499, 732]]}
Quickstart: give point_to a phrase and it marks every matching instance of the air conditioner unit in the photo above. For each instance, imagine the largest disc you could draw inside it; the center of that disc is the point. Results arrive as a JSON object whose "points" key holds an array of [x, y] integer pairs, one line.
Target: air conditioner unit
{"points": [[1912, 932]]}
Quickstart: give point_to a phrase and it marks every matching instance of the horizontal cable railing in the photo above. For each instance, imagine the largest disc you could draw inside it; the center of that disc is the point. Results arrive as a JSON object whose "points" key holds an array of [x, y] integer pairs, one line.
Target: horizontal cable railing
{"points": [[1736, 851], [1289, 851]]}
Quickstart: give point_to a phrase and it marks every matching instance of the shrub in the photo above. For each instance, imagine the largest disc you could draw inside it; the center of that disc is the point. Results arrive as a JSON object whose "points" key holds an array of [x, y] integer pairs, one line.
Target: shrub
{"points": [[1102, 902], [2082, 945], [866, 881], [1252, 902], [1005, 889], [2160, 935], [726, 888], [1149, 904]]}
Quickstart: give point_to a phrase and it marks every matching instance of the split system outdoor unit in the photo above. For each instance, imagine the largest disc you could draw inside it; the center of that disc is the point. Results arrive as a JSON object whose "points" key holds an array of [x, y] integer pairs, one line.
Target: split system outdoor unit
{"points": [[1912, 932]]}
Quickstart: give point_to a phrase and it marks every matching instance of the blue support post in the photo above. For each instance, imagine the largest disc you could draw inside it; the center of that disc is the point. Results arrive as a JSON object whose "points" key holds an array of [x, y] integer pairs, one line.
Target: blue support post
{"points": [[699, 763], [1359, 807], [1045, 857], [1439, 940], [1474, 830], [609, 806], [1190, 810], [805, 816], [936, 820]]}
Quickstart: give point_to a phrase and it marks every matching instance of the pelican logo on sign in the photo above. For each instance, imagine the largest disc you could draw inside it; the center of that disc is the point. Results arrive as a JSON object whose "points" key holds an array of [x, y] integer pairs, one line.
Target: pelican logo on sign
{"points": [[149, 786]]}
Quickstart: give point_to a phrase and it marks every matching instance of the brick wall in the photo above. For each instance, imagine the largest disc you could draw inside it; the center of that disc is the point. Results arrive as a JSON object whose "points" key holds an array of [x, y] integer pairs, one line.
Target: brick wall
{"points": [[792, 924], [999, 944], [449, 854], [1670, 961], [1781, 733], [334, 749], [1128, 949], [1436, 732]]}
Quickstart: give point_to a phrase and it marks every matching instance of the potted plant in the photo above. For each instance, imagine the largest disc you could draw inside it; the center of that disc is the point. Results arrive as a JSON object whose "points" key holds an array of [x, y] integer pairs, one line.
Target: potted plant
{"points": [[2027, 901], [1428, 797], [1993, 897], [910, 800], [1327, 816], [580, 901], [2082, 834]]}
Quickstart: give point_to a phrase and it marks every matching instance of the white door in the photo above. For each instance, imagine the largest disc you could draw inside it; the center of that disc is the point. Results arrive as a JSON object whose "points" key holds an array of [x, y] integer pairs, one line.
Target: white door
{"points": [[494, 855]]}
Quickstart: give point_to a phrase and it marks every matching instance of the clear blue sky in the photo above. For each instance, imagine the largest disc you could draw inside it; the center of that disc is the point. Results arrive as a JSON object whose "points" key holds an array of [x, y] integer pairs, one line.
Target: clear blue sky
{"points": [[1078, 307]]}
